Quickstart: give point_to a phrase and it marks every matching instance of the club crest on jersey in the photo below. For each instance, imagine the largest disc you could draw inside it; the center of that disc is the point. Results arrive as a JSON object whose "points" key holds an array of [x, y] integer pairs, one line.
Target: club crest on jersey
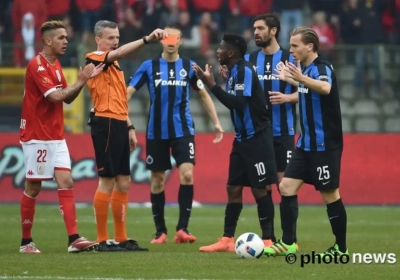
{"points": [[183, 73], [58, 75], [40, 169], [149, 160], [230, 81]]}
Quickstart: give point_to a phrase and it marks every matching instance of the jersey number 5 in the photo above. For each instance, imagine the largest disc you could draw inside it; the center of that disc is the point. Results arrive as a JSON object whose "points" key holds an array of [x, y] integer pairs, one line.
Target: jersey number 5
{"points": [[288, 156], [323, 173], [41, 155]]}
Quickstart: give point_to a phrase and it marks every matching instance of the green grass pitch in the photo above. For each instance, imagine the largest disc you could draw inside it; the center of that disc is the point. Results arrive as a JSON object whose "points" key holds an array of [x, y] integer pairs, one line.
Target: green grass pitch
{"points": [[370, 230]]}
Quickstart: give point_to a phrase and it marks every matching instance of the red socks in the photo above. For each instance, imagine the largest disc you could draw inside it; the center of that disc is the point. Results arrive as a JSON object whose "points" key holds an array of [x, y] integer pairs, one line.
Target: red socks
{"points": [[68, 210], [27, 214]]}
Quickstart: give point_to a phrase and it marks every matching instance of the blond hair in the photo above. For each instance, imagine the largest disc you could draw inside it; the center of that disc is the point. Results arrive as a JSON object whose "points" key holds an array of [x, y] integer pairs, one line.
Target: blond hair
{"points": [[308, 36], [51, 25]]}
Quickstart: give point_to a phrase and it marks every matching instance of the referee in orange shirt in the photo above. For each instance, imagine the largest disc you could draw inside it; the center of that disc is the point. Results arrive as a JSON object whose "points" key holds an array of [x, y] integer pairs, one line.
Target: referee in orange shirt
{"points": [[113, 134]]}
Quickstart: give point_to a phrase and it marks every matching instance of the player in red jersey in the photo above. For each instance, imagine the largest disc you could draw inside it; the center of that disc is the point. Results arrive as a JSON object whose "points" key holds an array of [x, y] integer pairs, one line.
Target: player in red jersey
{"points": [[42, 134]]}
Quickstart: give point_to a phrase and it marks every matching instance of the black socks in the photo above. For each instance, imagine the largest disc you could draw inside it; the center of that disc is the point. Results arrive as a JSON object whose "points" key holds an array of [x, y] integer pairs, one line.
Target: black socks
{"points": [[157, 207], [72, 238], [26, 241], [265, 210], [185, 200], [232, 213], [338, 219], [289, 212]]}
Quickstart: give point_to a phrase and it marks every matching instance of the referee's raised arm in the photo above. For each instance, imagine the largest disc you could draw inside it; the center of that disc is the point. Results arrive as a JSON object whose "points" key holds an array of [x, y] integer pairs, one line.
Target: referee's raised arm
{"points": [[116, 52], [126, 49]]}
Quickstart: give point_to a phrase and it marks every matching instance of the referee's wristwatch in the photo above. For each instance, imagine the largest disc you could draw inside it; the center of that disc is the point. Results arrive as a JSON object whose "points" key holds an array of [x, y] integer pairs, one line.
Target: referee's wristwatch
{"points": [[131, 127], [145, 41]]}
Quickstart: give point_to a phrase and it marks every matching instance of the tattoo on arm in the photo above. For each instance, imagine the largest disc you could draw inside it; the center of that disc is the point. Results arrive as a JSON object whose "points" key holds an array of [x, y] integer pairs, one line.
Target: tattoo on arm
{"points": [[71, 92]]}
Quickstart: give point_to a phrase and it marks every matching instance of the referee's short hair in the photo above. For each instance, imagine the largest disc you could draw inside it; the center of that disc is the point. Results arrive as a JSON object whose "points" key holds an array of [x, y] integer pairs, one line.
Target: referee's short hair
{"points": [[237, 42]]}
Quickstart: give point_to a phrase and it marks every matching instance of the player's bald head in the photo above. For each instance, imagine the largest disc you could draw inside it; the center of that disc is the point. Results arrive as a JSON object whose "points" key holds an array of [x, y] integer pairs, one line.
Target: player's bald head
{"points": [[49, 27]]}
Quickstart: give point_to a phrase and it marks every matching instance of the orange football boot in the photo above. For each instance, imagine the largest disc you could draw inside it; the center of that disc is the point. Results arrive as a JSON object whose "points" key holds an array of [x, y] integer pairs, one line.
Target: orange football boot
{"points": [[183, 236], [159, 238], [224, 244]]}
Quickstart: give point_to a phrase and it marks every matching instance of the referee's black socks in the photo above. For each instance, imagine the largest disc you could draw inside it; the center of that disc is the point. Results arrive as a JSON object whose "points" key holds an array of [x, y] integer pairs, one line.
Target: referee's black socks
{"points": [[157, 207], [265, 210], [185, 200], [232, 213], [338, 219], [289, 208]]}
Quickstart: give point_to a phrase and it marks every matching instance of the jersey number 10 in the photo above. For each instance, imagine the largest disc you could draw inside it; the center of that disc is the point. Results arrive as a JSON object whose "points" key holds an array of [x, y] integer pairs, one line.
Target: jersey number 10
{"points": [[260, 168]]}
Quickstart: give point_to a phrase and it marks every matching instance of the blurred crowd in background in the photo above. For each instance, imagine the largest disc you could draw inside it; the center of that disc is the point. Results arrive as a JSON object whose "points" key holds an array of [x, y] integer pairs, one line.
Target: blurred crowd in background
{"points": [[360, 37], [202, 22], [349, 22]]}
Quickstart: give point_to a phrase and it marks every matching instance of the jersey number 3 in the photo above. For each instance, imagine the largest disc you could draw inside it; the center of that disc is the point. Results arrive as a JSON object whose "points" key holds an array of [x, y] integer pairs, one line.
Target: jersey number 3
{"points": [[191, 150], [41, 155]]}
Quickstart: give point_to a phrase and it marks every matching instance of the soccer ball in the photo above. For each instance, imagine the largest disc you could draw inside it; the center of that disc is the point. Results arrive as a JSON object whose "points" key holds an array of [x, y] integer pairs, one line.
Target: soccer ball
{"points": [[249, 246]]}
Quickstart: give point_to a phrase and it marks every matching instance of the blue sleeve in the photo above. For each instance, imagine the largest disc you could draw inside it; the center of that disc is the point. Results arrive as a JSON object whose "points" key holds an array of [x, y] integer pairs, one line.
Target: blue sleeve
{"points": [[194, 82], [247, 57], [244, 81], [140, 77], [322, 72]]}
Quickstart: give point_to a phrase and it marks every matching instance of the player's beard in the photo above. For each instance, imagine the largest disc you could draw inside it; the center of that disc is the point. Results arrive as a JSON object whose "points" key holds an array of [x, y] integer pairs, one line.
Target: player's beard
{"points": [[264, 44]]}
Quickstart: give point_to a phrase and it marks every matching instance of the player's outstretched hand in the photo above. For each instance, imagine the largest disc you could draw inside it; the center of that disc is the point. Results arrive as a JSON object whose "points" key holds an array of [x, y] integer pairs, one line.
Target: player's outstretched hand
{"points": [[132, 140], [85, 73], [223, 71], [280, 71], [219, 133], [206, 76], [157, 35], [294, 72], [97, 70], [277, 97]]}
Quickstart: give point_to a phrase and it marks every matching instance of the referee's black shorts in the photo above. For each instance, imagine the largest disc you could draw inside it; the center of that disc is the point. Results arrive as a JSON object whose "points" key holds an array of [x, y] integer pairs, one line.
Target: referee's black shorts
{"points": [[111, 145]]}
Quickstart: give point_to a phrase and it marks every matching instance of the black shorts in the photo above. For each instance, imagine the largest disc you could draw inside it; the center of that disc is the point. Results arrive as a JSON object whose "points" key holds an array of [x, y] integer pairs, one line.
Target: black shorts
{"points": [[111, 146], [252, 162], [283, 148], [158, 152], [321, 169]]}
